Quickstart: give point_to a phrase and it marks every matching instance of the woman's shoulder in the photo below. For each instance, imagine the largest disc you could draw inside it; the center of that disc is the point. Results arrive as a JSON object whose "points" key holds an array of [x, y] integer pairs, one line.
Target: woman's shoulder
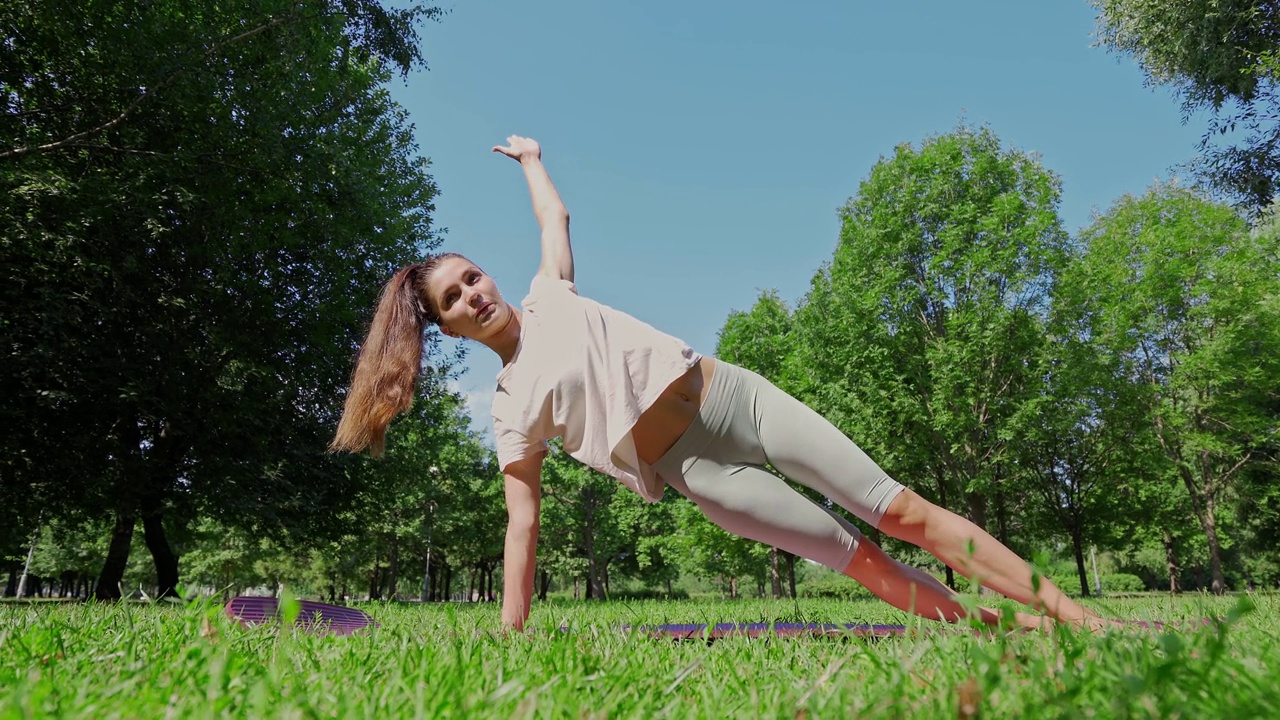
{"points": [[547, 288]]}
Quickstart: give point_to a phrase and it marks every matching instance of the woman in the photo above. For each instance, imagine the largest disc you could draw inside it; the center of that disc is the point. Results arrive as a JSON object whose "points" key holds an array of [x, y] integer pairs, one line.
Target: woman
{"points": [[643, 407]]}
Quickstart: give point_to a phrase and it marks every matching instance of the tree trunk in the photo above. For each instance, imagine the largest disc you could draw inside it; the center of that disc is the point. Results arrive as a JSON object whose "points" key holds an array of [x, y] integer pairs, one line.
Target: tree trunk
{"points": [[1204, 507], [1210, 525], [775, 574], [1171, 561], [544, 583], [375, 582], [112, 575], [978, 509], [595, 589], [166, 561], [595, 584], [1002, 520], [1077, 545], [941, 479], [393, 569], [791, 574]]}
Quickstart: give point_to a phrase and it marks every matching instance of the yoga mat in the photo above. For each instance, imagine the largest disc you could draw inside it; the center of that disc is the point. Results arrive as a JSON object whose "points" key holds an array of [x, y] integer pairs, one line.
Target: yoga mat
{"points": [[312, 616], [708, 631]]}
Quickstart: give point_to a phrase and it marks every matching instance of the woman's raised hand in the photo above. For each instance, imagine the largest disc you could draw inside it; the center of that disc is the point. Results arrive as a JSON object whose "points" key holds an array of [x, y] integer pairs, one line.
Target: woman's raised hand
{"points": [[520, 148]]}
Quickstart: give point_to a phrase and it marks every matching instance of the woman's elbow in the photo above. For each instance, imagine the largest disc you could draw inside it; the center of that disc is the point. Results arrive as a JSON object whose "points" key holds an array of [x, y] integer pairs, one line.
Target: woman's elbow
{"points": [[522, 522]]}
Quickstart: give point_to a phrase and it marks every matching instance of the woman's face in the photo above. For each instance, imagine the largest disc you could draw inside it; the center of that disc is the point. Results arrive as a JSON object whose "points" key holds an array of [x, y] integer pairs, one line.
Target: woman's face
{"points": [[466, 300]]}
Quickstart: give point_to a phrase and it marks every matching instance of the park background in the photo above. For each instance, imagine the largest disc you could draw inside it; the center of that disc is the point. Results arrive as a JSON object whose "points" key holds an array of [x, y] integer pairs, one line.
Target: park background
{"points": [[1002, 246]]}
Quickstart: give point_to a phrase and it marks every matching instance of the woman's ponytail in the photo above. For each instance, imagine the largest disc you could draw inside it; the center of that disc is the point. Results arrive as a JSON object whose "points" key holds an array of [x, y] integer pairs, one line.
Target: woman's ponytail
{"points": [[388, 365]]}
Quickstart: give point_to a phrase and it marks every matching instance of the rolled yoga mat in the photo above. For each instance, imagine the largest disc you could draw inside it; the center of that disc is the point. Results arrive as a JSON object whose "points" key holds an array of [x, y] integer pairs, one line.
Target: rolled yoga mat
{"points": [[312, 616]]}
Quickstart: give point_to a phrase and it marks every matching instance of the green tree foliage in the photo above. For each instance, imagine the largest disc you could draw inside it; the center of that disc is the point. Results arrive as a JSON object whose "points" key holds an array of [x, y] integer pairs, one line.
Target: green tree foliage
{"points": [[199, 206], [580, 534], [916, 334], [1257, 498], [761, 339], [436, 488], [707, 551], [1188, 296], [648, 552], [1079, 437], [1218, 55]]}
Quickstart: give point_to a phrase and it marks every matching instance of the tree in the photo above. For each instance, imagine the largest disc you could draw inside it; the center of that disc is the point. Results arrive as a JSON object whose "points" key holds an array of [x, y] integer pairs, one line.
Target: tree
{"points": [[1188, 295], [915, 335], [1079, 438], [1219, 55], [708, 551], [1258, 496], [580, 533], [199, 208], [647, 551]]}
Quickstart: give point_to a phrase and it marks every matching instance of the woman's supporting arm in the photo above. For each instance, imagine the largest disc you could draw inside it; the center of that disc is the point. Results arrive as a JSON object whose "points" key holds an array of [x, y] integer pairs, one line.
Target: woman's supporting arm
{"points": [[523, 487]]}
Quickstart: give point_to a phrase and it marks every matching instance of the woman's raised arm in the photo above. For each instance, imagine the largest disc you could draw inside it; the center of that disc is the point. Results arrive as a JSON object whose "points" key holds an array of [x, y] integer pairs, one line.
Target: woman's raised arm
{"points": [[552, 216]]}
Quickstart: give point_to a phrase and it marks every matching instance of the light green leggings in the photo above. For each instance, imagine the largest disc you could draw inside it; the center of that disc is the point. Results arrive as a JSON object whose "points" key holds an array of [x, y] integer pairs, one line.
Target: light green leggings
{"points": [[746, 422]]}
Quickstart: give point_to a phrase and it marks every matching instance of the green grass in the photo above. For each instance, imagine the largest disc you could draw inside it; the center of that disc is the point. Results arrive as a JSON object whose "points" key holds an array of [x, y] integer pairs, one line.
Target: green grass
{"points": [[146, 661]]}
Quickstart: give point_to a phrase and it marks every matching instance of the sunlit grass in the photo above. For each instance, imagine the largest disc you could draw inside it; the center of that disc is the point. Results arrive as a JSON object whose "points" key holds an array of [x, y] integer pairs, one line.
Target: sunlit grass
{"points": [[137, 660]]}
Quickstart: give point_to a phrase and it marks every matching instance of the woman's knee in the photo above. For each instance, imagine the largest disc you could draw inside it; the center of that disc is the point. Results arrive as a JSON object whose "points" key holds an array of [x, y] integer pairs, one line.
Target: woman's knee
{"points": [[868, 561]]}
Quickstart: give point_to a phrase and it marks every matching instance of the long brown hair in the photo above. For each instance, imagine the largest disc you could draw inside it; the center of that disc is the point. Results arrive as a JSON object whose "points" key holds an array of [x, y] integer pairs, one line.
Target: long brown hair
{"points": [[389, 361]]}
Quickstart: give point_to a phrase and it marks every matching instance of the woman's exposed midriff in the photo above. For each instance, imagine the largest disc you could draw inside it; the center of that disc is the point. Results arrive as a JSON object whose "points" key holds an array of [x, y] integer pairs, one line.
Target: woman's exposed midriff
{"points": [[660, 426]]}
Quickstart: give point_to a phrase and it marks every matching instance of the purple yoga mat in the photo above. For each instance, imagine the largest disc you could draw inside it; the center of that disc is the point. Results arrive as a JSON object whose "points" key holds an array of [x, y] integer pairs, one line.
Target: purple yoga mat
{"points": [[312, 616], [699, 631]]}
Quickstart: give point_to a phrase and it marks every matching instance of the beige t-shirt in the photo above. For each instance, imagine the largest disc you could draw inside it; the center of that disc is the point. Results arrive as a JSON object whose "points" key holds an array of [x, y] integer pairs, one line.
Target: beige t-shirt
{"points": [[585, 372]]}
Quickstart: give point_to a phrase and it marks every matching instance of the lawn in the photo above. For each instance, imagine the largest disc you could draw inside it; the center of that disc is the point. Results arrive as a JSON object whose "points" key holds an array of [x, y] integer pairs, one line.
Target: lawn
{"points": [[152, 661]]}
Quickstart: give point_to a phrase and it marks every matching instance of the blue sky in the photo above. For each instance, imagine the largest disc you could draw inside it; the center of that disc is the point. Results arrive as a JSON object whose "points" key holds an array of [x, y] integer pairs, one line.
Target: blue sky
{"points": [[703, 148]]}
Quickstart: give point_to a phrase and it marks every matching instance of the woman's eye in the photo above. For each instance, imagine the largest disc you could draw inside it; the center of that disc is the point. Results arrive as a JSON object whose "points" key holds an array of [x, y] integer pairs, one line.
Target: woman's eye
{"points": [[475, 277]]}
